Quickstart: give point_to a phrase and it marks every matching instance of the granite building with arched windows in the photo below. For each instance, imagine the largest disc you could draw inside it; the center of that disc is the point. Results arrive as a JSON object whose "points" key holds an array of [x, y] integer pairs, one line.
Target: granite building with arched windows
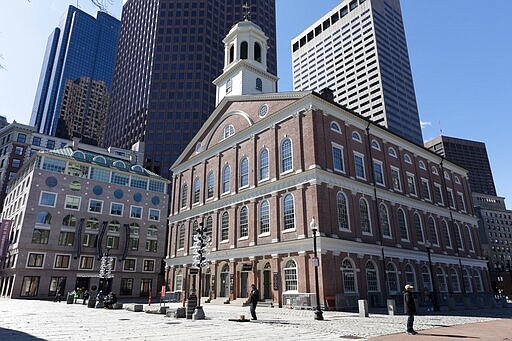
{"points": [[266, 163]]}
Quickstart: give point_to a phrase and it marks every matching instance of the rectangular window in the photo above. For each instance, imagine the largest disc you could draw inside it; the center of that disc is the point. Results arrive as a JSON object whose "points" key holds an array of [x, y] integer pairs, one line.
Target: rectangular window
{"points": [[425, 189], [337, 158], [66, 238], [54, 165], [411, 184], [89, 240], [154, 214], [460, 202], [72, 202], [30, 286], [35, 260], [61, 261], [151, 245], [18, 151], [126, 286], [136, 212], [47, 199], [100, 174], [378, 172], [16, 163], [138, 182], [86, 262], [36, 141], [120, 179], [129, 264], [156, 186], [451, 202], [149, 265], [78, 170], [95, 206], [133, 244], [50, 144], [438, 195], [359, 165], [116, 209], [113, 242], [395, 178], [40, 236], [57, 284], [22, 138]]}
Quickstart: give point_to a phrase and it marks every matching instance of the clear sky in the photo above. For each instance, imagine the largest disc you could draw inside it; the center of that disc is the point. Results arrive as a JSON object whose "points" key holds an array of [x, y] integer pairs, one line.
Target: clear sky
{"points": [[460, 51]]}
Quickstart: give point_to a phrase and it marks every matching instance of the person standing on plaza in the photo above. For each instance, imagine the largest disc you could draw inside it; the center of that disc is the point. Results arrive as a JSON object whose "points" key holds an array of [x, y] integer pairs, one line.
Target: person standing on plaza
{"points": [[254, 297], [410, 309]]}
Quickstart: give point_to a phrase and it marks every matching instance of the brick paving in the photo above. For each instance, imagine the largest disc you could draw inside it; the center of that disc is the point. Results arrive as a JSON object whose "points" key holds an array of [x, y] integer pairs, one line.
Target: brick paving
{"points": [[32, 320]]}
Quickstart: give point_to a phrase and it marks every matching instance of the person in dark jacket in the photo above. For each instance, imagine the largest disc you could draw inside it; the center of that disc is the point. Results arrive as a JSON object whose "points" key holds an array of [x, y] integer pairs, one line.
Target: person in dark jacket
{"points": [[410, 309], [254, 297]]}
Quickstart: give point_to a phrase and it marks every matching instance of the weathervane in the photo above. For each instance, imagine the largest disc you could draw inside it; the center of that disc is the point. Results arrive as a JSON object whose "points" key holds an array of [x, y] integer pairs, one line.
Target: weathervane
{"points": [[246, 10], [102, 4]]}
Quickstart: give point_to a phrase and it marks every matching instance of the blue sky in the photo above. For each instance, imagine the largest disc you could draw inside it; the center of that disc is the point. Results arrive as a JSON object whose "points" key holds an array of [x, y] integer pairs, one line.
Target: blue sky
{"points": [[460, 55]]}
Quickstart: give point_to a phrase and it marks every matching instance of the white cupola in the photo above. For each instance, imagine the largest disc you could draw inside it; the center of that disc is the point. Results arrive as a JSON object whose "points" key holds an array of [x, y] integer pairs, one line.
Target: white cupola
{"points": [[245, 63]]}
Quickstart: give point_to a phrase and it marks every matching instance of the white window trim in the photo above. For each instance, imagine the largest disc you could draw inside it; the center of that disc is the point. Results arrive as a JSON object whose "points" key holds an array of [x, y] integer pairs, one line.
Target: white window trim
{"points": [[338, 128], [356, 137], [463, 209], [335, 145], [41, 196], [441, 192], [80, 263], [147, 259], [141, 212], [454, 199], [35, 253], [134, 267], [421, 165], [423, 180], [89, 206], [62, 254], [364, 168], [79, 202], [407, 174], [381, 164], [268, 165], [407, 159], [400, 188], [122, 210], [149, 214], [281, 156]]}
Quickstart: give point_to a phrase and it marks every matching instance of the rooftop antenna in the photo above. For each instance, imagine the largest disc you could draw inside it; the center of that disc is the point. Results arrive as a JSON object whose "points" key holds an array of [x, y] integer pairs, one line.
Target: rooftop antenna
{"points": [[246, 11], [102, 4]]}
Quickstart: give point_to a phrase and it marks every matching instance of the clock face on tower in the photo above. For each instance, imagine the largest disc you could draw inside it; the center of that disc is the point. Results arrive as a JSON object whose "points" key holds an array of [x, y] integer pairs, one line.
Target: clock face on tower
{"points": [[262, 112]]}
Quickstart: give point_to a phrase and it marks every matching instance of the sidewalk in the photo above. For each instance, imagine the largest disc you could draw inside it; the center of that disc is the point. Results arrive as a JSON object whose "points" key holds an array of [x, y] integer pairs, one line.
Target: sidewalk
{"points": [[496, 330]]}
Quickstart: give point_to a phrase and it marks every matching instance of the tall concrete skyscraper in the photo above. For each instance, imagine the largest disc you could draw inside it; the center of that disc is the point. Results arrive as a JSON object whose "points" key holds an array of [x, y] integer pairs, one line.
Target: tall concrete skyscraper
{"points": [[81, 46], [358, 50], [169, 53], [471, 155]]}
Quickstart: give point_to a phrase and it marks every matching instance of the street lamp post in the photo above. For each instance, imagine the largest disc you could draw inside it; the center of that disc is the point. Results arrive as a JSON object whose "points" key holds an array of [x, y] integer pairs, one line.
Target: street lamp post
{"points": [[435, 303], [167, 271], [318, 312]]}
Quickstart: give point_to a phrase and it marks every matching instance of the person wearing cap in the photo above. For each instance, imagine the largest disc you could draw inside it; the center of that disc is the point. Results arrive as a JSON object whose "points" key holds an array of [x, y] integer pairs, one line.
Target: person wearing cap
{"points": [[410, 309]]}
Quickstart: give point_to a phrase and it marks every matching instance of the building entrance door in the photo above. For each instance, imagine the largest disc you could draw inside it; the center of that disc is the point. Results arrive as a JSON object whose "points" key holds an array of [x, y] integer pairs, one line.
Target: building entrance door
{"points": [[267, 285], [82, 282], [224, 281], [243, 284]]}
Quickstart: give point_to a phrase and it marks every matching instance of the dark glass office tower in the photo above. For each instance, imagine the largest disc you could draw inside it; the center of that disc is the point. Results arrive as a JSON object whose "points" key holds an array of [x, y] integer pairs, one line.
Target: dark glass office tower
{"points": [[81, 46], [169, 53]]}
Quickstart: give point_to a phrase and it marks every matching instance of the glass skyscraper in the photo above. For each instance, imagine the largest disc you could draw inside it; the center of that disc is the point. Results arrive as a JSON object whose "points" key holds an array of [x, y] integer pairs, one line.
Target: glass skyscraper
{"points": [[81, 46], [169, 53], [358, 50]]}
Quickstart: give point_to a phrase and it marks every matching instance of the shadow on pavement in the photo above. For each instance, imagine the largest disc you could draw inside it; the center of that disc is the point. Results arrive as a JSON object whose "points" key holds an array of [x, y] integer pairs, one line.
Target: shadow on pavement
{"points": [[458, 337], [9, 334]]}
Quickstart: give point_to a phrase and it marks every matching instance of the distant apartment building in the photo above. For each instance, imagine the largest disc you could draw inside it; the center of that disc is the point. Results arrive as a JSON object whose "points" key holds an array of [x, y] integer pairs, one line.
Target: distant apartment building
{"points": [[3, 121], [169, 53], [68, 208], [471, 155], [358, 50], [81, 46], [18, 142], [83, 111]]}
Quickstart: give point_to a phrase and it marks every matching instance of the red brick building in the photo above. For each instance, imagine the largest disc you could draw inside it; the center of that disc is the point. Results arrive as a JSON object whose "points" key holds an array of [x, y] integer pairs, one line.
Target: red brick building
{"points": [[264, 164]]}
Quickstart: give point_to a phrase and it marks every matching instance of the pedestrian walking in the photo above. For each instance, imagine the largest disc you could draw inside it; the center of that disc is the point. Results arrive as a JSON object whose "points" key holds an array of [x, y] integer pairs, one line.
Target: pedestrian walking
{"points": [[58, 295], [410, 309], [86, 295], [427, 296], [254, 297]]}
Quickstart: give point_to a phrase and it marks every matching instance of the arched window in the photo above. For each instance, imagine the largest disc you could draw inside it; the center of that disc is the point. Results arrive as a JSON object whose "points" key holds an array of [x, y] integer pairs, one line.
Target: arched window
{"points": [[421, 164], [44, 218], [208, 228], [244, 172], [257, 52], [418, 227], [349, 277], [152, 232], [384, 220], [243, 222], [193, 232], [372, 277], [288, 212], [184, 193], [402, 224], [478, 281], [407, 159], [197, 189], [454, 278], [335, 127], [264, 174], [244, 50], [356, 136], [228, 131], [446, 234], [224, 227], [375, 145], [290, 276], [469, 238], [392, 152], [432, 231], [458, 237], [392, 278], [92, 224], [259, 84], [231, 53], [286, 155], [69, 221], [226, 176], [133, 241], [410, 275], [425, 276], [342, 211], [364, 216], [434, 170], [467, 281], [264, 221], [181, 236], [210, 184], [441, 280]]}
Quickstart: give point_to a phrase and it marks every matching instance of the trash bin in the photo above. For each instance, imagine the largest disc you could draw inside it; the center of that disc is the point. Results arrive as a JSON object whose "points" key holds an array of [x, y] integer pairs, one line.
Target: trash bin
{"points": [[70, 299]]}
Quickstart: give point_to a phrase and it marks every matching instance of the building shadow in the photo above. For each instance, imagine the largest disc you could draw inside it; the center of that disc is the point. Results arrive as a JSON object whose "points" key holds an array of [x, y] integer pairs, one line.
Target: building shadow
{"points": [[10, 334]]}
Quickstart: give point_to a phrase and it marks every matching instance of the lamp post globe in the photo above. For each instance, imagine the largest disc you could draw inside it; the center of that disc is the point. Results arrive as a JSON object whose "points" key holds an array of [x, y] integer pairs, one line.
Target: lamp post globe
{"points": [[313, 225]]}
